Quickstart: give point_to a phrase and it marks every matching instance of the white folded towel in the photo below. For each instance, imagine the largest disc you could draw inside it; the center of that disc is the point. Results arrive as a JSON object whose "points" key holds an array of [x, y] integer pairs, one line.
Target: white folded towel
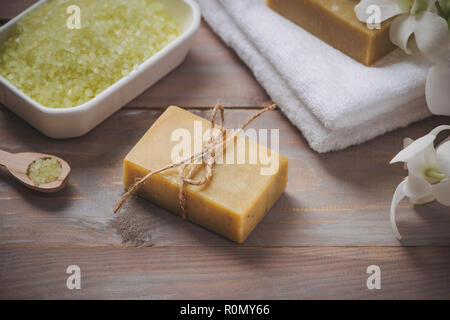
{"points": [[335, 101]]}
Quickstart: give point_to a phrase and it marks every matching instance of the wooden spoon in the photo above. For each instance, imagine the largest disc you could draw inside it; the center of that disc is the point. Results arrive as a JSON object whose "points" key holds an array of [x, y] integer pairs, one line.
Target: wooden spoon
{"points": [[18, 165]]}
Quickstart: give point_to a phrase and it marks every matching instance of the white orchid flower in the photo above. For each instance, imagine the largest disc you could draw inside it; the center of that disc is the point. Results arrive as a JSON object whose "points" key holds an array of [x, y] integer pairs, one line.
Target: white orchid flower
{"points": [[416, 17], [428, 173], [437, 89]]}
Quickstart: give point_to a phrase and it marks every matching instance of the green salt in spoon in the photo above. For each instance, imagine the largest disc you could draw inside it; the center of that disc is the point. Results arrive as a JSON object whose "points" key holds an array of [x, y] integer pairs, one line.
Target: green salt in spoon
{"points": [[23, 166]]}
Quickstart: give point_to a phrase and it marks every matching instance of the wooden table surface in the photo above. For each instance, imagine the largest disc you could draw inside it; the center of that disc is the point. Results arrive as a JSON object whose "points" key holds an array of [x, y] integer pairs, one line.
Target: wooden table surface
{"points": [[331, 223]]}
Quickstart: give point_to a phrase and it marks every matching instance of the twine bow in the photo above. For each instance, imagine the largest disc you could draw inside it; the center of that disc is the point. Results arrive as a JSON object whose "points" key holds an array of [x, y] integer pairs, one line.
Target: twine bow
{"points": [[208, 155]]}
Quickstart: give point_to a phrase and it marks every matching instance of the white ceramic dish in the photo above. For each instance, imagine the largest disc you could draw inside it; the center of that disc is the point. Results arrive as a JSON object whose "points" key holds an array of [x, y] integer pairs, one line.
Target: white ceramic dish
{"points": [[77, 121]]}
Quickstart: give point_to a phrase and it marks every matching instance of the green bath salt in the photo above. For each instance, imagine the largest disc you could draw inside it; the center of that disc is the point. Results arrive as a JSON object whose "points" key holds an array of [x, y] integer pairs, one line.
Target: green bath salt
{"points": [[62, 67]]}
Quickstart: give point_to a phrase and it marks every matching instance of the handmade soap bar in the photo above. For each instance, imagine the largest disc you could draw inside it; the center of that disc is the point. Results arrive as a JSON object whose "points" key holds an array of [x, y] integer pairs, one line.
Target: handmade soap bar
{"points": [[232, 202], [335, 22]]}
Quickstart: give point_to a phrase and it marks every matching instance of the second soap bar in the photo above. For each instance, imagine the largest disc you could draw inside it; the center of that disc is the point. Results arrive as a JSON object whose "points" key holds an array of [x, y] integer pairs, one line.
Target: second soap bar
{"points": [[335, 22], [232, 203]]}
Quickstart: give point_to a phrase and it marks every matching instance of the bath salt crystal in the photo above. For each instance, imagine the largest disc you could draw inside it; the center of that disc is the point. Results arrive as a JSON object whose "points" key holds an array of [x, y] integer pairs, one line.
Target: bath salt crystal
{"points": [[43, 171]]}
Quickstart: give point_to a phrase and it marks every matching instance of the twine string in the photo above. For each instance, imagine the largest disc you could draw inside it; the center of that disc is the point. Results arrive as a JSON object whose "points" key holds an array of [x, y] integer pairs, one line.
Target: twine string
{"points": [[208, 156]]}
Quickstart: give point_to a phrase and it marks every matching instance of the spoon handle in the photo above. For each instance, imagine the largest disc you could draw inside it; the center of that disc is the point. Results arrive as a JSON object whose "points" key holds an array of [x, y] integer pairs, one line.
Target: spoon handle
{"points": [[6, 158]]}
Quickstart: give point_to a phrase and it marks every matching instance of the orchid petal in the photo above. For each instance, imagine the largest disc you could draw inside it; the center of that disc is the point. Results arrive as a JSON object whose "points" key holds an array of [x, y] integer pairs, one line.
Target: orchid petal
{"points": [[401, 30], [432, 36], [418, 146], [419, 6], [441, 191], [405, 5], [422, 161], [399, 195], [439, 129], [432, 6], [388, 9], [443, 158], [406, 142], [437, 90], [425, 200], [417, 187]]}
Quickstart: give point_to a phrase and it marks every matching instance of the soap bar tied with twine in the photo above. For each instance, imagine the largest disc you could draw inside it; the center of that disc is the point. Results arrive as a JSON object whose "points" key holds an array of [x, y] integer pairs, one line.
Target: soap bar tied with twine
{"points": [[208, 155]]}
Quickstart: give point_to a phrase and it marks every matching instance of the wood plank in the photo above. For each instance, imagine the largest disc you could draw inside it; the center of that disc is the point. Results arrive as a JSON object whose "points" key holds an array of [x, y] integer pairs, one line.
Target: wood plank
{"points": [[225, 273], [338, 199]]}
